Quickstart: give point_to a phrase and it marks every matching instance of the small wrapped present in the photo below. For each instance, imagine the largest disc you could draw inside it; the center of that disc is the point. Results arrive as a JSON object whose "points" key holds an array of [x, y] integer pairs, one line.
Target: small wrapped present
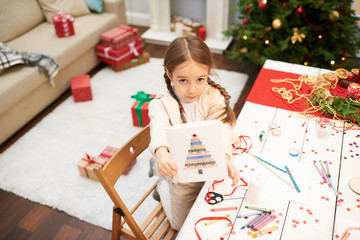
{"points": [[87, 164], [63, 23], [144, 58], [119, 37], [140, 109], [118, 57], [109, 151], [80, 88]]}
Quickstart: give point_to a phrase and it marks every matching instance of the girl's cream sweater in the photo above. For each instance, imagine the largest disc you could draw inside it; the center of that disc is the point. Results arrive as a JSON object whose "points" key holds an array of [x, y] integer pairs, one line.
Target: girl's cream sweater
{"points": [[164, 112]]}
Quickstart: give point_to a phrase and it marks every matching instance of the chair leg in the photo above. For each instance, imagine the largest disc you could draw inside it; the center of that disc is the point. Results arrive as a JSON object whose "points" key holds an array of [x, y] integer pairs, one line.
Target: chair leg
{"points": [[115, 233]]}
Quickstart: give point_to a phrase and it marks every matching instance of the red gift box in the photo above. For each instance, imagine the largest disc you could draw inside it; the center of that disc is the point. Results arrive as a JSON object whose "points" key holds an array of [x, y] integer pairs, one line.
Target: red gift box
{"points": [[119, 37], [140, 109], [109, 151], [80, 88], [118, 57], [144, 58], [63, 23]]}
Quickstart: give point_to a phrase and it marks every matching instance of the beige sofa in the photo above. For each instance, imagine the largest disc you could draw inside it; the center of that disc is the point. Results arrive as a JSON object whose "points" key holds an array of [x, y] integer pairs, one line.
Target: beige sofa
{"points": [[24, 92]]}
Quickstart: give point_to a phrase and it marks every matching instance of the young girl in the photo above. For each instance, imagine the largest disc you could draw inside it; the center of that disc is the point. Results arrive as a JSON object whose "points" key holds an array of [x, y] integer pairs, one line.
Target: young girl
{"points": [[191, 97]]}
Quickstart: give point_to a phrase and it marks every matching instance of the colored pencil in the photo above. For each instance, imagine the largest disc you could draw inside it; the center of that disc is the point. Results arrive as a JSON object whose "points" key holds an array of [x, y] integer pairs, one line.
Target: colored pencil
{"points": [[328, 169], [259, 220], [249, 214], [264, 223], [258, 209], [223, 209], [252, 220], [214, 221]]}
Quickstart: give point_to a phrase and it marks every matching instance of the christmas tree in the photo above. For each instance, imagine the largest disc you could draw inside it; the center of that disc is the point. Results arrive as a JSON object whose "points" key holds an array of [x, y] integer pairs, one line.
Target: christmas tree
{"points": [[317, 33], [198, 157]]}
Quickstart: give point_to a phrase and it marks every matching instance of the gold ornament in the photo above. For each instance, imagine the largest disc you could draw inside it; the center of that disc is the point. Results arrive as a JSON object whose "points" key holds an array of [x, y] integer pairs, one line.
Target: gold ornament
{"points": [[297, 36], [334, 15], [277, 24]]}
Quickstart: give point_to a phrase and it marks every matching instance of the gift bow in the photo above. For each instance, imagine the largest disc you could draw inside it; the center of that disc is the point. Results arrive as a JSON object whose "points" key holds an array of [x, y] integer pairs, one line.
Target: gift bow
{"points": [[142, 98], [89, 160], [133, 48]]}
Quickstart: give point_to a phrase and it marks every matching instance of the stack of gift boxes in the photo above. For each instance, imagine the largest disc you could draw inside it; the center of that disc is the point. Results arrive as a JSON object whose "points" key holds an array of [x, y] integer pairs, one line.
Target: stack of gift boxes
{"points": [[121, 48]]}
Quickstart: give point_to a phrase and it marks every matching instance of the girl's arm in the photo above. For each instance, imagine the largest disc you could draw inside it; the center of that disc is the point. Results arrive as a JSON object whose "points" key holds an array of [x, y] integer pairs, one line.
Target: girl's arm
{"points": [[166, 166]]}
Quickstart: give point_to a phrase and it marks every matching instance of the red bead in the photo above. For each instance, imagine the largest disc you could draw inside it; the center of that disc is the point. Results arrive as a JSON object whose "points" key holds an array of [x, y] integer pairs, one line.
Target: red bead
{"points": [[299, 10]]}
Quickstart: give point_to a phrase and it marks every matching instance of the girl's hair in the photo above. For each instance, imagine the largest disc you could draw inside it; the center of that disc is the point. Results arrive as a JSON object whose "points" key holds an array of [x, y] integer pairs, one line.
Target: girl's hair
{"points": [[186, 48]]}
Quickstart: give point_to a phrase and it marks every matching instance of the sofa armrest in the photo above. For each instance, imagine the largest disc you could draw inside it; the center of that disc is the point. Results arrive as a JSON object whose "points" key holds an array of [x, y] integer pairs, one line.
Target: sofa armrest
{"points": [[117, 7]]}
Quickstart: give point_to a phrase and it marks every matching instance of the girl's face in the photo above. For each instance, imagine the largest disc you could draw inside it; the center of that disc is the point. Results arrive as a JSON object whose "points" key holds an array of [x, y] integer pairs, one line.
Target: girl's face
{"points": [[190, 80]]}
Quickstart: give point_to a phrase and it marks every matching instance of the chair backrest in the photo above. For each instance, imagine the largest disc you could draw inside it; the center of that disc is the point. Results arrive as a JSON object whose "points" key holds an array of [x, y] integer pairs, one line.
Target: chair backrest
{"points": [[155, 225]]}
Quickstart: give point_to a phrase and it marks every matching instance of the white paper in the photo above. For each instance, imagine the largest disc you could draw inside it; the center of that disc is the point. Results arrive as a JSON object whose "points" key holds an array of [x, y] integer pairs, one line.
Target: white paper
{"points": [[199, 151]]}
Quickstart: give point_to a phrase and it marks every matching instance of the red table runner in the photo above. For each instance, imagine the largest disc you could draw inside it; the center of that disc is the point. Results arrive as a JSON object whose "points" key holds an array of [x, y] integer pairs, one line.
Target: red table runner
{"points": [[261, 92]]}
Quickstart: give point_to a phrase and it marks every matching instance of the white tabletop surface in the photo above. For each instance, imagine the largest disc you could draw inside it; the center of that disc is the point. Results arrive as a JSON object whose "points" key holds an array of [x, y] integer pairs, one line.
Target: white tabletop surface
{"points": [[316, 212]]}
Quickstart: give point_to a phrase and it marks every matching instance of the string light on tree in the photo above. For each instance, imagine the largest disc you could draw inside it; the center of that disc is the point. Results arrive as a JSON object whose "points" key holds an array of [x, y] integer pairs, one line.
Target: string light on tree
{"points": [[332, 62]]}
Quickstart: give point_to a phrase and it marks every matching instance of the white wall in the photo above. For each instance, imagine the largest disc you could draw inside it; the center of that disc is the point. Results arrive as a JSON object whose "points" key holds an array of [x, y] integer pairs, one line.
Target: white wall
{"points": [[137, 11]]}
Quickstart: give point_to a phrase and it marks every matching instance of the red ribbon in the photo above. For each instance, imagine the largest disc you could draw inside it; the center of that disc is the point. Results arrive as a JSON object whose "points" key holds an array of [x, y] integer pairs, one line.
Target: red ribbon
{"points": [[90, 160], [212, 218], [212, 187], [248, 145]]}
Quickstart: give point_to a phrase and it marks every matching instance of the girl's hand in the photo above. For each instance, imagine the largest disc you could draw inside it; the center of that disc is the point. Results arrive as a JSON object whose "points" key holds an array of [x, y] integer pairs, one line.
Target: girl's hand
{"points": [[167, 167], [233, 173]]}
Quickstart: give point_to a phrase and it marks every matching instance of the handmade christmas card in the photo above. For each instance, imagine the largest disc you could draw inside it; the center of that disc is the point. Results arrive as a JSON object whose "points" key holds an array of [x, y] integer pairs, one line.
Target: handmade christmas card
{"points": [[198, 149]]}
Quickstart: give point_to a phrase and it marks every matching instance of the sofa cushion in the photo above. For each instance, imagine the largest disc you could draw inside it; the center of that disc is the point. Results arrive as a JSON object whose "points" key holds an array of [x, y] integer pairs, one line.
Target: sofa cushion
{"points": [[95, 5], [11, 25], [74, 7], [14, 85]]}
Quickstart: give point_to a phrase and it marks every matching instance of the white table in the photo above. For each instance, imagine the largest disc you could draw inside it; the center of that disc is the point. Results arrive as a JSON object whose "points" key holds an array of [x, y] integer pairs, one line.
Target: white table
{"points": [[321, 215]]}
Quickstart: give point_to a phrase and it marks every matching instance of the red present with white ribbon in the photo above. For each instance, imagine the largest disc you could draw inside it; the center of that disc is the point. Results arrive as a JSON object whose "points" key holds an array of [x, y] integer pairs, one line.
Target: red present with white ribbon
{"points": [[117, 57], [119, 37], [63, 23]]}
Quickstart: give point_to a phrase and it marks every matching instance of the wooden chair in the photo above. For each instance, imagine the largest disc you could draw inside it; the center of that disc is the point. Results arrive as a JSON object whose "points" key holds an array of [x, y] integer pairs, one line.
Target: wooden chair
{"points": [[155, 225]]}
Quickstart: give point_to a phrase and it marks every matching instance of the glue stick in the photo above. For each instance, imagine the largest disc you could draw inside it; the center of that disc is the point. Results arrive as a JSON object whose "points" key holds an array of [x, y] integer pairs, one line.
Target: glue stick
{"points": [[255, 188]]}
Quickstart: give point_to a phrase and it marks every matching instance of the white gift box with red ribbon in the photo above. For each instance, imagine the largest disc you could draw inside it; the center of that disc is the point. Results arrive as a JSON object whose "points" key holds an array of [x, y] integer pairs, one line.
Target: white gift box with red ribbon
{"points": [[117, 57], [63, 23]]}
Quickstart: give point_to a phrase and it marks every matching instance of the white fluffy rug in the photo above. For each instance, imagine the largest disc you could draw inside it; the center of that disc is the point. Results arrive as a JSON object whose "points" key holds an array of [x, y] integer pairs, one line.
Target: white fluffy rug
{"points": [[42, 165]]}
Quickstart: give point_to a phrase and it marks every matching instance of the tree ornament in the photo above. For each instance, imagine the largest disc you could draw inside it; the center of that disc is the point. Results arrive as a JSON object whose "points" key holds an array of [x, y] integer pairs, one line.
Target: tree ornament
{"points": [[299, 10], [262, 4], [334, 15], [244, 21], [297, 36], [277, 24]]}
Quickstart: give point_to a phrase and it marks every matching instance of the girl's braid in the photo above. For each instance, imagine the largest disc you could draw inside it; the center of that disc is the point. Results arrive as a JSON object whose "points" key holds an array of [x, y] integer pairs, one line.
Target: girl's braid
{"points": [[170, 89], [229, 113]]}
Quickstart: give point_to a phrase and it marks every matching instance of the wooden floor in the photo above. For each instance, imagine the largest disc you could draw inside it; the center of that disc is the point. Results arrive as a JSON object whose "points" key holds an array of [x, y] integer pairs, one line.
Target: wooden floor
{"points": [[24, 219]]}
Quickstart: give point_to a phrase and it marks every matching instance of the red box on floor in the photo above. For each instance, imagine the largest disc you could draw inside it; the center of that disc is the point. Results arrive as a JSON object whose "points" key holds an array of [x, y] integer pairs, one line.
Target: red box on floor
{"points": [[119, 37], [81, 89], [140, 109], [118, 57], [63, 23]]}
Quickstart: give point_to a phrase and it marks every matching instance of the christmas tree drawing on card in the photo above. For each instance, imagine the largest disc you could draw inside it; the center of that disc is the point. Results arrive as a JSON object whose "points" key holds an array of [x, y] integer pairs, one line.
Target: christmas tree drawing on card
{"points": [[198, 157], [199, 150]]}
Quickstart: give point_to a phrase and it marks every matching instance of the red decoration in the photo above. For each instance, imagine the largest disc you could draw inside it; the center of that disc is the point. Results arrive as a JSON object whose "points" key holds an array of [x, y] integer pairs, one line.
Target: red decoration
{"points": [[118, 57], [299, 10], [80, 88], [202, 33], [63, 23], [262, 4], [119, 37], [244, 21]]}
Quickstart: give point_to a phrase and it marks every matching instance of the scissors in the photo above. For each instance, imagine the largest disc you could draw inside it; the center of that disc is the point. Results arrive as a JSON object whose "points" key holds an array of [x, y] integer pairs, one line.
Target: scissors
{"points": [[214, 197]]}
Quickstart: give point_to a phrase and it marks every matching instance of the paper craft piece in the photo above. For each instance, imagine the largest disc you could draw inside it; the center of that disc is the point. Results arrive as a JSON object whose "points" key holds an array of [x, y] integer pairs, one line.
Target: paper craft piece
{"points": [[198, 150]]}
